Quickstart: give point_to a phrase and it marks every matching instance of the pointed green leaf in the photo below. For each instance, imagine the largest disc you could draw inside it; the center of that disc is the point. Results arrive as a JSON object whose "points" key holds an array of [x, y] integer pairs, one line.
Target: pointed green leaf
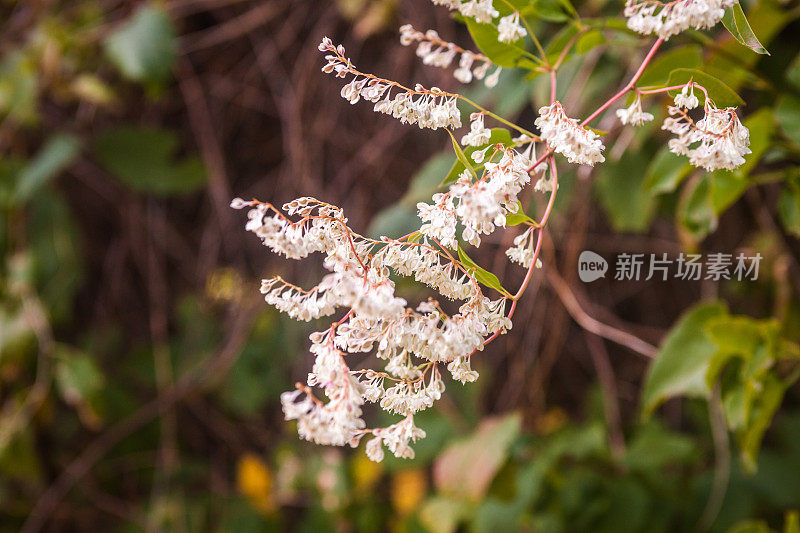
{"points": [[482, 275], [680, 367], [736, 23], [721, 94]]}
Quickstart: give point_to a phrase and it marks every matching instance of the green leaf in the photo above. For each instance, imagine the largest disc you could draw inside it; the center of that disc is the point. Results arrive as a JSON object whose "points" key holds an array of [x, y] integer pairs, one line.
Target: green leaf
{"points": [[144, 159], [658, 71], [54, 241], [787, 113], [463, 159], [589, 40], [621, 190], [665, 172], [483, 276], [721, 94], [515, 219], [144, 48], [560, 41], [19, 86], [680, 367], [501, 54], [736, 23], [57, 153], [80, 383], [789, 210], [550, 10], [696, 213], [654, 447], [763, 411], [498, 136], [441, 514]]}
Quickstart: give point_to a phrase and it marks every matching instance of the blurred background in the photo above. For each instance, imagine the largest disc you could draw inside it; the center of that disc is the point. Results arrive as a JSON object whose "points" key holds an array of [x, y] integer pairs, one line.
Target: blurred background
{"points": [[140, 369]]}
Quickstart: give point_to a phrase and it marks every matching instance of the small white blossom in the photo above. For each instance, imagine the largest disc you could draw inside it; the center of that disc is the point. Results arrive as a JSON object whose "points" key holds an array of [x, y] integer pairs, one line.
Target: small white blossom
{"points": [[686, 98], [567, 137], [427, 108], [668, 19], [524, 249], [435, 51], [509, 28], [480, 10], [375, 449], [478, 134], [634, 115]]}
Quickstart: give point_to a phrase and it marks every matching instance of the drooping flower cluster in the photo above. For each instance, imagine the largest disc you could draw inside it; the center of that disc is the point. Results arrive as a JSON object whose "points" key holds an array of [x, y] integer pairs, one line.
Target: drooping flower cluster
{"points": [[634, 115], [478, 134], [670, 18], [428, 108], [523, 250], [412, 342], [480, 205], [439, 53], [717, 141], [480, 10], [509, 28], [567, 137]]}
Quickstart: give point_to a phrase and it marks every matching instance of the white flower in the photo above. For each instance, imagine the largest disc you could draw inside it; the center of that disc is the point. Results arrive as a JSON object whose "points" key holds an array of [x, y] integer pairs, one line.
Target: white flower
{"points": [[427, 108], [523, 250], [491, 80], [686, 98], [509, 28], [634, 115], [666, 20], [717, 141], [567, 137], [461, 370], [439, 220], [375, 450], [435, 51], [397, 436], [480, 10], [478, 133], [483, 205]]}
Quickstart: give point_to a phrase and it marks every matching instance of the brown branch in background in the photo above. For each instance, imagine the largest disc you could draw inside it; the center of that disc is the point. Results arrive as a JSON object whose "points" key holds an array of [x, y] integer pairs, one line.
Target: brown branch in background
{"points": [[608, 384], [593, 325], [202, 124], [231, 29]]}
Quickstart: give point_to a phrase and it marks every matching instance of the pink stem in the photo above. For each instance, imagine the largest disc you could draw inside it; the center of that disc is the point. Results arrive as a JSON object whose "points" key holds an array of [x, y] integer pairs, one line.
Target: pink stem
{"points": [[630, 84]]}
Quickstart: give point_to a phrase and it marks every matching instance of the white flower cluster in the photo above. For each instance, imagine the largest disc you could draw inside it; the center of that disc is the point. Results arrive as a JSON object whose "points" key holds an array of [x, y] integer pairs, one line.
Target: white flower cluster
{"points": [[567, 137], [523, 251], [478, 134], [509, 28], [439, 53], [717, 141], [413, 343], [480, 10], [668, 19], [634, 115], [480, 206], [428, 108]]}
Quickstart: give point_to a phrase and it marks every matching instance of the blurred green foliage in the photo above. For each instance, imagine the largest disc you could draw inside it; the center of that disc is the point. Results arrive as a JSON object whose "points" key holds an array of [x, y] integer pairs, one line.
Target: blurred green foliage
{"points": [[62, 388]]}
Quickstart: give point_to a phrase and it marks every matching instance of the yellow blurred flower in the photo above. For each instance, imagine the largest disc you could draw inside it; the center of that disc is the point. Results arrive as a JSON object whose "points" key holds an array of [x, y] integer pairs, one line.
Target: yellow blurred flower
{"points": [[366, 473], [408, 490], [254, 481]]}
